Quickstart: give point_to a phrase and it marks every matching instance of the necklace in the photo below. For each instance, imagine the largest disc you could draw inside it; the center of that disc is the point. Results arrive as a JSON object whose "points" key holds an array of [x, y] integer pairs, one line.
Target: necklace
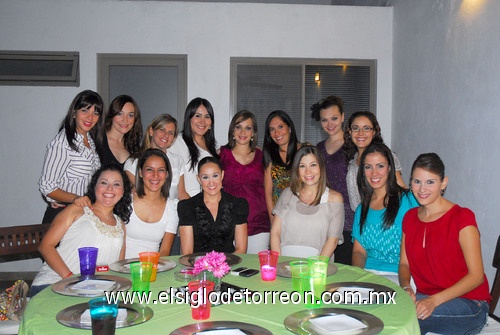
{"points": [[108, 218]]}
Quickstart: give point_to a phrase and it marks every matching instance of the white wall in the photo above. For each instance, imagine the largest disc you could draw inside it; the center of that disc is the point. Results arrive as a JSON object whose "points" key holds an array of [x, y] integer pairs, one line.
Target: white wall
{"points": [[446, 87], [209, 33]]}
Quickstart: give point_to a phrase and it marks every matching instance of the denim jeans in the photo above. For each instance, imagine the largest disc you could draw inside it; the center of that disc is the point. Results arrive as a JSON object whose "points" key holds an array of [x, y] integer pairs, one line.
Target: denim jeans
{"points": [[457, 316]]}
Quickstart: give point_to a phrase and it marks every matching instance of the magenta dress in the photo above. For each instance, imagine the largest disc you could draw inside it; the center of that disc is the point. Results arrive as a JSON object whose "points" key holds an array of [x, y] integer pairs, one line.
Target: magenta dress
{"points": [[247, 181]]}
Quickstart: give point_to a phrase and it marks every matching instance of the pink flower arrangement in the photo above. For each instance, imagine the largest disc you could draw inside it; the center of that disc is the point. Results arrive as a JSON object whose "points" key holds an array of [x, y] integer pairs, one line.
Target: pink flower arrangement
{"points": [[214, 262]]}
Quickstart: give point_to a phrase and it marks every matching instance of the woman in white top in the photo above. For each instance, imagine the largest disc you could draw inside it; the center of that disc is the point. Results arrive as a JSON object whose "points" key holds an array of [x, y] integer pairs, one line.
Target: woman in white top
{"points": [[71, 158], [363, 130], [103, 227], [160, 134], [197, 141], [308, 213], [154, 220]]}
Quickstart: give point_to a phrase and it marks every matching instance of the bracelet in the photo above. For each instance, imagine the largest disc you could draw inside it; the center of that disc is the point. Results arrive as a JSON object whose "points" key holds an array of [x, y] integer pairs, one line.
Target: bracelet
{"points": [[407, 287], [68, 275]]}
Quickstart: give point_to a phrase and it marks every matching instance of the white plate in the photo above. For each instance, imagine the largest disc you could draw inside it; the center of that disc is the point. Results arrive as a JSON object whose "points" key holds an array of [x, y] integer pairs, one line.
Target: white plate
{"points": [[359, 293], [97, 285], [300, 323], [203, 328], [284, 269], [136, 314], [124, 266]]}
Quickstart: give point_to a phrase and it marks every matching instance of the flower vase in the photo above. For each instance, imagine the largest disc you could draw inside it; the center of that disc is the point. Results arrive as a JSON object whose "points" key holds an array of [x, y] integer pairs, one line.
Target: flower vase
{"points": [[209, 276]]}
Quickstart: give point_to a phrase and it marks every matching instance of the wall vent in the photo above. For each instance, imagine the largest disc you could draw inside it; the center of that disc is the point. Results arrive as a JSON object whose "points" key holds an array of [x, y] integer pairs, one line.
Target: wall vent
{"points": [[39, 68]]}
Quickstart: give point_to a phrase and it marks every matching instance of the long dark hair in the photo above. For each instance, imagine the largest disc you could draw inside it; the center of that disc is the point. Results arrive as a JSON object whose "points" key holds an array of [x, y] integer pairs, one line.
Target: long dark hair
{"points": [[393, 190], [132, 139], [187, 133], [349, 147], [123, 208], [238, 118], [272, 150], [139, 182], [84, 99]]}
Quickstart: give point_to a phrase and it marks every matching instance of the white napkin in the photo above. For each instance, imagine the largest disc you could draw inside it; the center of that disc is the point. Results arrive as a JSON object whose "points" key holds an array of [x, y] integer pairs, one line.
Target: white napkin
{"points": [[92, 285], [85, 319], [352, 296], [221, 332], [337, 323]]}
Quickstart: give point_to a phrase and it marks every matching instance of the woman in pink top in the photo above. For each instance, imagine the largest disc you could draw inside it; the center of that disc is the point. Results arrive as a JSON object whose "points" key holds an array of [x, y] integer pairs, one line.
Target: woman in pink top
{"points": [[441, 250], [243, 168]]}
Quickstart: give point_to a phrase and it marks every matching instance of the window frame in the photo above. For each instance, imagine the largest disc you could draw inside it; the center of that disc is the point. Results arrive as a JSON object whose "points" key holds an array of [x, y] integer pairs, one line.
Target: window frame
{"points": [[303, 62], [23, 79]]}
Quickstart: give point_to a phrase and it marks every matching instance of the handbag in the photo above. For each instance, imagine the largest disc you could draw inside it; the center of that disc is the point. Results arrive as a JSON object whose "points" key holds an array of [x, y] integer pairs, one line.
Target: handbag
{"points": [[13, 301]]}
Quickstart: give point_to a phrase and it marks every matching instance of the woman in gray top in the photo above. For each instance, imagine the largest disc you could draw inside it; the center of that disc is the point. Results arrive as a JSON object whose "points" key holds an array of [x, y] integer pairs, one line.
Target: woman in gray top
{"points": [[363, 130], [308, 214]]}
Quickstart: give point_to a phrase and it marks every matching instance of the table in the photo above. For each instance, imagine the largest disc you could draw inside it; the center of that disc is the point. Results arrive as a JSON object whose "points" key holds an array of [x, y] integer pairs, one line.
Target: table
{"points": [[399, 318]]}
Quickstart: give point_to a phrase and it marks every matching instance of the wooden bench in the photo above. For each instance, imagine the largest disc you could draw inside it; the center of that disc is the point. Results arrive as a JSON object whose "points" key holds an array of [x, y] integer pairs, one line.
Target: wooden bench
{"points": [[20, 243]]}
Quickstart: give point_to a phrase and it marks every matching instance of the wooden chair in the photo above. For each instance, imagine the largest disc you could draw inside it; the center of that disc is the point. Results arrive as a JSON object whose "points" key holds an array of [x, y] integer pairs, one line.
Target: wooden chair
{"points": [[493, 322], [495, 288]]}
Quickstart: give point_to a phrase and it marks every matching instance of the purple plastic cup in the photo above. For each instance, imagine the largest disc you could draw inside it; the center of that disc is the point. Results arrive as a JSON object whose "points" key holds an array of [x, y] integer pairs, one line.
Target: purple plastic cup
{"points": [[88, 258]]}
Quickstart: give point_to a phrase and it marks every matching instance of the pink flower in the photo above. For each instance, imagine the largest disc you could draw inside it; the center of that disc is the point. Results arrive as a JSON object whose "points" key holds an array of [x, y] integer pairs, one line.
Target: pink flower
{"points": [[214, 262]]}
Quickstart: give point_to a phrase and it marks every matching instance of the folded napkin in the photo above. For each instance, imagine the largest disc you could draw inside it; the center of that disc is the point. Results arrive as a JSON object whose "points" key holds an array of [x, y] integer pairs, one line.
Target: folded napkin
{"points": [[337, 323], [92, 285], [351, 294], [221, 332], [85, 319]]}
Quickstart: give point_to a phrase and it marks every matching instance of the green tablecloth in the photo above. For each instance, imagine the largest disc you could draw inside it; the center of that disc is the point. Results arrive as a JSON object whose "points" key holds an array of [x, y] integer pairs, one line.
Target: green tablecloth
{"points": [[398, 318]]}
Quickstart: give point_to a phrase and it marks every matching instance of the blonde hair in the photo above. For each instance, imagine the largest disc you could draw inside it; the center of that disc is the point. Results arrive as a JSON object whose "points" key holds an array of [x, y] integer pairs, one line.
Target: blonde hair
{"points": [[158, 122]]}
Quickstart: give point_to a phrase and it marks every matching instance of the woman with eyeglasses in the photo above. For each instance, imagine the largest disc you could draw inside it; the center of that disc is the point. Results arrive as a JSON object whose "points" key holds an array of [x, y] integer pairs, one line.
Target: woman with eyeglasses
{"points": [[363, 129], [330, 113]]}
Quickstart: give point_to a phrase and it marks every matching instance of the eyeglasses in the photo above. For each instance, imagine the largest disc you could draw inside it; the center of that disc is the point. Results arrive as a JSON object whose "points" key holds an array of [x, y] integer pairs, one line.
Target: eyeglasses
{"points": [[364, 129]]}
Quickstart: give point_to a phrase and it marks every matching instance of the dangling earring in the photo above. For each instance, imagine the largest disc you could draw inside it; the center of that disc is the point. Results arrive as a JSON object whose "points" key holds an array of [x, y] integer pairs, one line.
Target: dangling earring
{"points": [[251, 140], [233, 137]]}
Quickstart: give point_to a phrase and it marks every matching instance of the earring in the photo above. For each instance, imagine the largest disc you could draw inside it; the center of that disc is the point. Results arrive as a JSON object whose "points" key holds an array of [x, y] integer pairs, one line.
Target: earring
{"points": [[251, 140], [233, 137]]}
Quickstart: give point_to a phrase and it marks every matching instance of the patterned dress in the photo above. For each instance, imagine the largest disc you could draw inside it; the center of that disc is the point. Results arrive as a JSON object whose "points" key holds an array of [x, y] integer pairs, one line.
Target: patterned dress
{"points": [[281, 180]]}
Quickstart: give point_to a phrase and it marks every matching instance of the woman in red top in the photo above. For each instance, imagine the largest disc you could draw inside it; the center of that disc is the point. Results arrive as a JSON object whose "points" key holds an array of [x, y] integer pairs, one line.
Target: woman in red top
{"points": [[441, 250]]}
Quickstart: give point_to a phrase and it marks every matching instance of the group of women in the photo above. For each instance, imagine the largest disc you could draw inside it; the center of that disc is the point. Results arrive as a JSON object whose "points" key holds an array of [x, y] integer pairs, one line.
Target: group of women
{"points": [[344, 198]]}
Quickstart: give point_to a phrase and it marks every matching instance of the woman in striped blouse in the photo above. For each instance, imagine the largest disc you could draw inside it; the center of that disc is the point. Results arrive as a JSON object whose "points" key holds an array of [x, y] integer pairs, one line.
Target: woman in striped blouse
{"points": [[71, 158]]}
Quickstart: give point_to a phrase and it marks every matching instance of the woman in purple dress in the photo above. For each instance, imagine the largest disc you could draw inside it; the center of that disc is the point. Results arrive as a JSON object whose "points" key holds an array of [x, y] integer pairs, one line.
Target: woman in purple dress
{"points": [[243, 168], [330, 112]]}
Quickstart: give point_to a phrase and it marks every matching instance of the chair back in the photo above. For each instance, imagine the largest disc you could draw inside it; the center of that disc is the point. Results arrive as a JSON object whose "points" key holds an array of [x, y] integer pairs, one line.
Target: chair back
{"points": [[495, 288], [21, 242]]}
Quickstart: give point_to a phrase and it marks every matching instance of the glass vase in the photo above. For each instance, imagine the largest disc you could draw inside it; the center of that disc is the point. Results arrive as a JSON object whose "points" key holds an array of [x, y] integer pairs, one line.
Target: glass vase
{"points": [[207, 275]]}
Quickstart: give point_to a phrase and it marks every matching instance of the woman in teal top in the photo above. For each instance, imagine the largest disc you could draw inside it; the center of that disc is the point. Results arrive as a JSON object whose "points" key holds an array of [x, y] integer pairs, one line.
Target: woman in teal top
{"points": [[377, 227]]}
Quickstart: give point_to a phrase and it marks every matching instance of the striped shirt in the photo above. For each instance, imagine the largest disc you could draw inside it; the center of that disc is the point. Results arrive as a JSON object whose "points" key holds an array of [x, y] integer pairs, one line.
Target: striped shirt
{"points": [[67, 169]]}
